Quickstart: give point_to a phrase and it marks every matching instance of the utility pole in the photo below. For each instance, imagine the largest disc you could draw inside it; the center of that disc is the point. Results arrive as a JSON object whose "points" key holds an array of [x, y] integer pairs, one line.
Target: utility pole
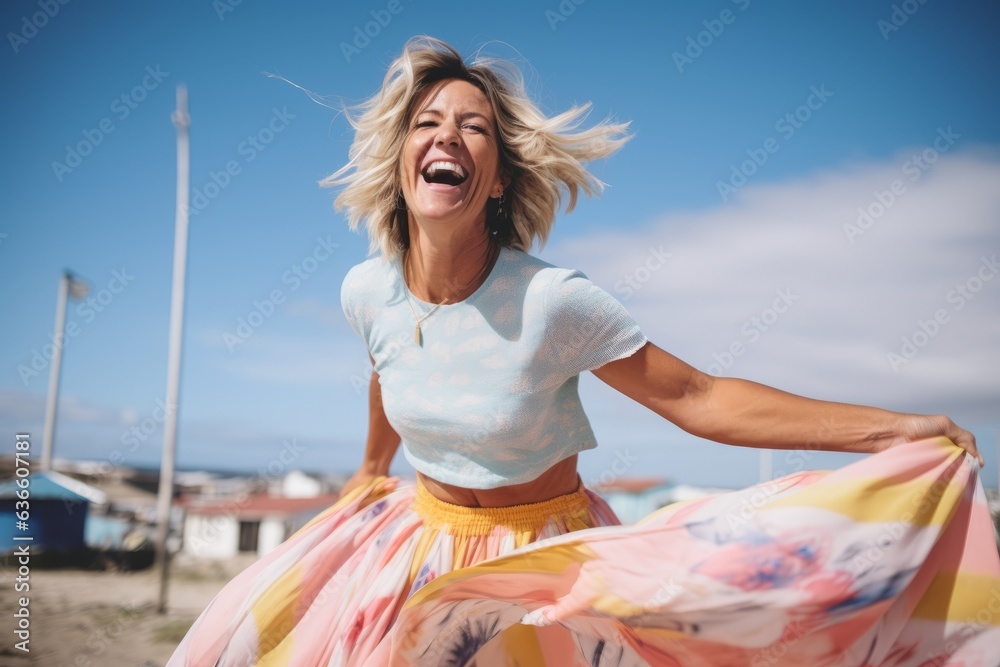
{"points": [[764, 461], [166, 491]]}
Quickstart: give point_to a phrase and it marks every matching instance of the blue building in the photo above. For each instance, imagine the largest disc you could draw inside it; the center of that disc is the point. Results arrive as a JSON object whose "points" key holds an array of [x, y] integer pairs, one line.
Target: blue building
{"points": [[57, 507]]}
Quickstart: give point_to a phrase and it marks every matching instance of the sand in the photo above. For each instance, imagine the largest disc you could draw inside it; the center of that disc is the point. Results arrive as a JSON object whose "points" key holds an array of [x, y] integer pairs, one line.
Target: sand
{"points": [[85, 618]]}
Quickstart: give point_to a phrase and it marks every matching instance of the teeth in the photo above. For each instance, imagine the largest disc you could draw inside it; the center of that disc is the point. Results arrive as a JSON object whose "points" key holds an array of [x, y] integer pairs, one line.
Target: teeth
{"points": [[441, 165]]}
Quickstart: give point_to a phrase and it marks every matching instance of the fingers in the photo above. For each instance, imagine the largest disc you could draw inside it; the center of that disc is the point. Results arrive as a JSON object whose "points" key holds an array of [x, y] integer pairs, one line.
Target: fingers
{"points": [[975, 452], [961, 437], [923, 426], [967, 441]]}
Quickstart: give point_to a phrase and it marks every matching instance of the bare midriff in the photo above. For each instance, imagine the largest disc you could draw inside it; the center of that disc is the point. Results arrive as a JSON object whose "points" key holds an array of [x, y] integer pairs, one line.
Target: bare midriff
{"points": [[558, 480]]}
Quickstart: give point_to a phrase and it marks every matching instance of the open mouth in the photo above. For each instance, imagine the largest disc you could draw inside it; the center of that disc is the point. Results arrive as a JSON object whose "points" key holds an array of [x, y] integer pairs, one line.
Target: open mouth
{"points": [[444, 173]]}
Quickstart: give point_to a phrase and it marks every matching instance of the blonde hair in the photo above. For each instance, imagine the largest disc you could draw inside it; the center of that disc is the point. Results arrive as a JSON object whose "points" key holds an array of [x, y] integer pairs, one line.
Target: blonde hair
{"points": [[539, 155]]}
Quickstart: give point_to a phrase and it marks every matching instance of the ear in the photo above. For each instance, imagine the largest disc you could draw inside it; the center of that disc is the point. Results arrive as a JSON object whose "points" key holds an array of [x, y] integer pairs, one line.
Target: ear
{"points": [[501, 186]]}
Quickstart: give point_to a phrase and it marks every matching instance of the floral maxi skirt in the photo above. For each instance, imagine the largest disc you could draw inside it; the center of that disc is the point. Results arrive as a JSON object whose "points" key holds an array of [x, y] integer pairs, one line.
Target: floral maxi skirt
{"points": [[891, 560]]}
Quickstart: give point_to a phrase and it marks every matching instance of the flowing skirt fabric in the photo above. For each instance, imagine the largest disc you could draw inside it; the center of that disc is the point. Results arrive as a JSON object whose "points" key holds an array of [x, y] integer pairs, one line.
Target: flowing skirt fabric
{"points": [[891, 560]]}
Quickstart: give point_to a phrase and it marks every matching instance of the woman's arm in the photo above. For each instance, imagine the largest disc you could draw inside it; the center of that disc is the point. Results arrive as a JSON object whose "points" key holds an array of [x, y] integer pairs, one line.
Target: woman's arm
{"points": [[740, 412], [382, 441]]}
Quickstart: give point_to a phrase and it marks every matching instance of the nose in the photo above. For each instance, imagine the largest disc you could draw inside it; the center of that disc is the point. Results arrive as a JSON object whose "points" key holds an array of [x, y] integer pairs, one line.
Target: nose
{"points": [[447, 134]]}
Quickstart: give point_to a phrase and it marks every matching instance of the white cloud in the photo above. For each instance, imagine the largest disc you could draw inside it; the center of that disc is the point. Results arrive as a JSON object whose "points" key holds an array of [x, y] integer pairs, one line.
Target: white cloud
{"points": [[851, 303]]}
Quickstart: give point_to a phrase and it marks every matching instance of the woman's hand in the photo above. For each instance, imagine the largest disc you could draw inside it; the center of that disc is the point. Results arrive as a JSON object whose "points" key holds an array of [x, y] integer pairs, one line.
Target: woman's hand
{"points": [[358, 479], [918, 427]]}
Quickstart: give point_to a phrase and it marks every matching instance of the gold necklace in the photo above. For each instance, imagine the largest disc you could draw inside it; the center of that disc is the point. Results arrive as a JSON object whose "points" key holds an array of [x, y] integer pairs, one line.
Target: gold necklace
{"points": [[417, 334]]}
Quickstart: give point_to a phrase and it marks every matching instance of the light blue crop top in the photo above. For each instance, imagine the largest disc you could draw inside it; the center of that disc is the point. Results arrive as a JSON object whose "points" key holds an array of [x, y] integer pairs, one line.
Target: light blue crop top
{"points": [[490, 398]]}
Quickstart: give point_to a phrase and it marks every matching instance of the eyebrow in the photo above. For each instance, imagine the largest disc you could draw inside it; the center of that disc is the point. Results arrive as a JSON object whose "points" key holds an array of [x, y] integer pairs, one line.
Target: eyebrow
{"points": [[462, 116]]}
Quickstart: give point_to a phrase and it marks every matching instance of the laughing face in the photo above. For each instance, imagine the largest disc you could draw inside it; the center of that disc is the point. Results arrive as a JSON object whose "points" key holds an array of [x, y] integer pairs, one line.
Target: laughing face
{"points": [[450, 163]]}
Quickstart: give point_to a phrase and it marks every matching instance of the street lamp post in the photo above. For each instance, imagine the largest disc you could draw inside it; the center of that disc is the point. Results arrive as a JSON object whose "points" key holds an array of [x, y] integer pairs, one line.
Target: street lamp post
{"points": [[69, 286]]}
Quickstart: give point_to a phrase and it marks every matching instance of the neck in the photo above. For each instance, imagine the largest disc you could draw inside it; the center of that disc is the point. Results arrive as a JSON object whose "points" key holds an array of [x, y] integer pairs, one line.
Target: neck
{"points": [[446, 270]]}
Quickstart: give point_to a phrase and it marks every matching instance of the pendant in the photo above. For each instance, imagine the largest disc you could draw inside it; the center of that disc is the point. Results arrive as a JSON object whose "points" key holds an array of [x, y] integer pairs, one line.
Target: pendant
{"points": [[416, 335]]}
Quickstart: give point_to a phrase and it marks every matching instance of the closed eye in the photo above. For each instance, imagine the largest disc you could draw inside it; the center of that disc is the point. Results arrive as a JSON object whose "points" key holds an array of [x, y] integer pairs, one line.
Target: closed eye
{"points": [[468, 126]]}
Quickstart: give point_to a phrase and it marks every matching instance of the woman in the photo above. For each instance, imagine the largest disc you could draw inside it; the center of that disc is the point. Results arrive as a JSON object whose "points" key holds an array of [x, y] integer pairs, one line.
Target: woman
{"points": [[498, 554]]}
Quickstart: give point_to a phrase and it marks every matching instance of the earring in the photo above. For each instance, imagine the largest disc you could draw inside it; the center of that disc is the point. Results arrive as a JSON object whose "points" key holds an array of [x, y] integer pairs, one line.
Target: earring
{"points": [[500, 206]]}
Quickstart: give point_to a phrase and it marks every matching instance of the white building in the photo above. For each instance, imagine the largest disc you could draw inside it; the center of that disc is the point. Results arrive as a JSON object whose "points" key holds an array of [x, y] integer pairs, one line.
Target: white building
{"points": [[297, 484], [255, 524]]}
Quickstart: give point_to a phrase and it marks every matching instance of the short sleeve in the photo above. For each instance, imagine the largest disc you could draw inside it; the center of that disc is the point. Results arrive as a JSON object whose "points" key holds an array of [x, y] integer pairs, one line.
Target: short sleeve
{"points": [[586, 326], [352, 300]]}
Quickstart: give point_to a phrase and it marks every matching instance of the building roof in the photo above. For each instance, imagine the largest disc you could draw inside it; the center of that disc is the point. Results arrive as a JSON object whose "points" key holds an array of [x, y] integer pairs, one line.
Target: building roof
{"points": [[257, 505], [51, 485], [120, 492]]}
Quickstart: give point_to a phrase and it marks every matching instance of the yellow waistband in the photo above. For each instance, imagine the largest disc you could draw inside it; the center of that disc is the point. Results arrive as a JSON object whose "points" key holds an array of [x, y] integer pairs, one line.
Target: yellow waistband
{"points": [[461, 520]]}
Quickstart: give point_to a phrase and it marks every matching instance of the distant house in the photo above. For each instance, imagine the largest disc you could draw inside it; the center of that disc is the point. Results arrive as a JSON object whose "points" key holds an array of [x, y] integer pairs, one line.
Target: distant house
{"points": [[209, 484], [255, 524], [57, 512], [130, 510], [634, 498], [297, 484]]}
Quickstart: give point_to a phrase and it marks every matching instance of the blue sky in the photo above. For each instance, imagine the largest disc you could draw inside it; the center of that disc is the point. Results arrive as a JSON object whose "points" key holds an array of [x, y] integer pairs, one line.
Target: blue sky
{"points": [[761, 129]]}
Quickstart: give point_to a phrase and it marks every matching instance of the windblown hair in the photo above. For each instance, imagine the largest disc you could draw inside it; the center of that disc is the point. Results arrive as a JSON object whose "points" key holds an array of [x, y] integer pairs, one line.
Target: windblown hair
{"points": [[541, 156]]}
